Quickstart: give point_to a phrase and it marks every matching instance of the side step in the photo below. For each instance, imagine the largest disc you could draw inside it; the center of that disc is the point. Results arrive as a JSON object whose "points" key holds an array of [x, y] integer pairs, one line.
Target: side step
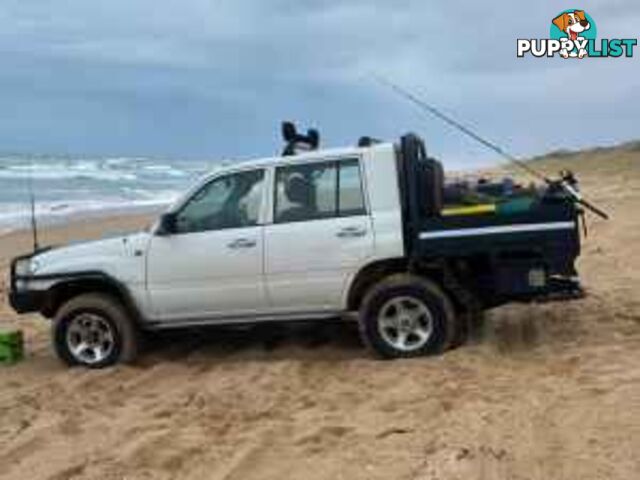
{"points": [[562, 289]]}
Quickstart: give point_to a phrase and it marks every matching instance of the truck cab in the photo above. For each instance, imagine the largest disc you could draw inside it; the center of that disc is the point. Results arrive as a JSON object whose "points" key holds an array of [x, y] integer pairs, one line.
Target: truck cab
{"points": [[309, 235]]}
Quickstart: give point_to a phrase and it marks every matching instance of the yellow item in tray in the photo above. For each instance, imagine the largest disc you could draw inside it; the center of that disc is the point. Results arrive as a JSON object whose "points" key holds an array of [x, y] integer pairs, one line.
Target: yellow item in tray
{"points": [[469, 209]]}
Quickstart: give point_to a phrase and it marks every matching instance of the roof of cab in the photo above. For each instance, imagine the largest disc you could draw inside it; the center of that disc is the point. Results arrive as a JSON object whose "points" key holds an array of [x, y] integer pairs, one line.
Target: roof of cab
{"points": [[306, 156]]}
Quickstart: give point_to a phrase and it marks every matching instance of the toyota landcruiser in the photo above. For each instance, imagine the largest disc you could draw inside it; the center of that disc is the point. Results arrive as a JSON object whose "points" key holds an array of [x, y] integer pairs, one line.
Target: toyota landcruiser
{"points": [[371, 230]]}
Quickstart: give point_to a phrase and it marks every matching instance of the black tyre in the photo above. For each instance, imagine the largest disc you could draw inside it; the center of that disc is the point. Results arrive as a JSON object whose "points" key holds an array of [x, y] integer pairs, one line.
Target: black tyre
{"points": [[95, 331], [406, 316]]}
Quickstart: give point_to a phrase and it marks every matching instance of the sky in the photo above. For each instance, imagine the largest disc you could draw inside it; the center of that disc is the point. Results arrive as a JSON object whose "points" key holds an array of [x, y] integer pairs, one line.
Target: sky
{"points": [[214, 79]]}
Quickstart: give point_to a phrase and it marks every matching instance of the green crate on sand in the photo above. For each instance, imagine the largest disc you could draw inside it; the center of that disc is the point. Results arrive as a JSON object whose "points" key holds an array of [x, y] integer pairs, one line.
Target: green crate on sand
{"points": [[11, 347]]}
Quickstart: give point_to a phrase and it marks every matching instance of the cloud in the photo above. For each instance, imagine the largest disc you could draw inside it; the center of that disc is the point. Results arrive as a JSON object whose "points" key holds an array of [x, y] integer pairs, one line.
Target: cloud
{"points": [[202, 78]]}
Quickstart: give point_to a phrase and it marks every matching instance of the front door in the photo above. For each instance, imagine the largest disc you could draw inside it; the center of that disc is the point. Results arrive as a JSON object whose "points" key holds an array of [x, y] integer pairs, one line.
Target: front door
{"points": [[212, 265], [321, 234]]}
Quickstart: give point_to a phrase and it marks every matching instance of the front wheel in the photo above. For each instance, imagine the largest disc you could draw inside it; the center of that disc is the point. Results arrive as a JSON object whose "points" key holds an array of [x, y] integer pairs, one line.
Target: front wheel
{"points": [[95, 331], [406, 316]]}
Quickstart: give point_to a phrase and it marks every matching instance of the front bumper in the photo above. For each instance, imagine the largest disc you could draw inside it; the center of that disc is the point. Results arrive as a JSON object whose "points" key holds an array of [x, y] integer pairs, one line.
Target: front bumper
{"points": [[24, 301], [27, 301]]}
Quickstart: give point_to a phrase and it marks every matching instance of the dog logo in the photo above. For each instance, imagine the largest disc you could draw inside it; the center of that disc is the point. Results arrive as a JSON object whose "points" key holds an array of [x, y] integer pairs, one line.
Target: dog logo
{"points": [[573, 24], [573, 35]]}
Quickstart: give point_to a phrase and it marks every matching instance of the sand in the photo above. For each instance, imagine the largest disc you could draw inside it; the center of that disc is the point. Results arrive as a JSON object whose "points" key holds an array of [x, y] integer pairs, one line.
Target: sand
{"points": [[543, 392]]}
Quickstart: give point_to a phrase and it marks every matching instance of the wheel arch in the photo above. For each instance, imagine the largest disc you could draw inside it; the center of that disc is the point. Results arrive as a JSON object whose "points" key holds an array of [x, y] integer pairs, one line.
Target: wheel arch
{"points": [[448, 273], [369, 275], [72, 285]]}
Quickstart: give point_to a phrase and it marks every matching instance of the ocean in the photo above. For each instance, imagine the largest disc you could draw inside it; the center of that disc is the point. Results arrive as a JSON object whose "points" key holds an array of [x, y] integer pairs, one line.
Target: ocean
{"points": [[67, 187]]}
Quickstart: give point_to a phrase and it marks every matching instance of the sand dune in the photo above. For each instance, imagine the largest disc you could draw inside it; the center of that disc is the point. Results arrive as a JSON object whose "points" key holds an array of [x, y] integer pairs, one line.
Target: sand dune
{"points": [[543, 391]]}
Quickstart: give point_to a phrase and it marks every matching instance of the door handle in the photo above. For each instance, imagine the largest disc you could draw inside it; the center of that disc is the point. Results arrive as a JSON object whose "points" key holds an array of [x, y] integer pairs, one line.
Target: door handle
{"points": [[351, 232], [242, 243]]}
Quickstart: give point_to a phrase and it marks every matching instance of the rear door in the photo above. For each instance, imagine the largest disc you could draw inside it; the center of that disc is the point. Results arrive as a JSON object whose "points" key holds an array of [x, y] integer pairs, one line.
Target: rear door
{"points": [[321, 233]]}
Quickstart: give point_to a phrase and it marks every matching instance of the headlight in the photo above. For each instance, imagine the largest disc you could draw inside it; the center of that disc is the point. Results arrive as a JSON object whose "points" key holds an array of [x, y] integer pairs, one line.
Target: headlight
{"points": [[26, 266], [35, 265], [23, 267]]}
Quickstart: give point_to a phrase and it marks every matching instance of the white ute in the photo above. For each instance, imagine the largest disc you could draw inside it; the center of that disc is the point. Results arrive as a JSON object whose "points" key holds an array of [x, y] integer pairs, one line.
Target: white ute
{"points": [[309, 236]]}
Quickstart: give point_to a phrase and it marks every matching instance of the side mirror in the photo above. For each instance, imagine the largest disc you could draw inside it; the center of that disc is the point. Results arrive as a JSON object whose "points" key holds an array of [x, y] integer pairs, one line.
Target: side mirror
{"points": [[167, 224]]}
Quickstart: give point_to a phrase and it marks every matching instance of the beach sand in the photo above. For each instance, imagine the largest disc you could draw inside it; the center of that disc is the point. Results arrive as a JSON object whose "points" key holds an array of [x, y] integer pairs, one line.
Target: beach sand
{"points": [[543, 392]]}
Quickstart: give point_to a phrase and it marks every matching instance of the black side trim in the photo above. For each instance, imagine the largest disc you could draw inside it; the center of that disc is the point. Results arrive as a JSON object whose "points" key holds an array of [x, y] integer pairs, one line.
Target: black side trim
{"points": [[239, 319], [38, 300]]}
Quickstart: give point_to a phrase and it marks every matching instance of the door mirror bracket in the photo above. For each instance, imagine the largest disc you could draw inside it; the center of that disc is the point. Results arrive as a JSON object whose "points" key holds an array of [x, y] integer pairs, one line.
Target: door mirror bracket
{"points": [[167, 224]]}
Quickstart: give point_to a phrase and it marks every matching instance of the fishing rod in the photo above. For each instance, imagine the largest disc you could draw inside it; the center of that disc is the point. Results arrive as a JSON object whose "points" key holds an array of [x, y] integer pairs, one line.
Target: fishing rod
{"points": [[492, 146], [32, 206]]}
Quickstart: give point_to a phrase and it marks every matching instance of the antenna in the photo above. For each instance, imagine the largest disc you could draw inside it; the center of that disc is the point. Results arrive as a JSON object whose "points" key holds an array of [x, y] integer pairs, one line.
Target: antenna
{"points": [[492, 146], [32, 204]]}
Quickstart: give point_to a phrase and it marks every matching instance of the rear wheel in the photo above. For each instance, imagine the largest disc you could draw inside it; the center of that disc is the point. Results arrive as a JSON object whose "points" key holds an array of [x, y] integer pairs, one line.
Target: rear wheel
{"points": [[406, 316], [95, 331]]}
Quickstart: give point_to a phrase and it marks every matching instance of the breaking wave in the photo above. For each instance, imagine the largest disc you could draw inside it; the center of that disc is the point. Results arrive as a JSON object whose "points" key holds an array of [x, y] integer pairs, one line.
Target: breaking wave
{"points": [[68, 187]]}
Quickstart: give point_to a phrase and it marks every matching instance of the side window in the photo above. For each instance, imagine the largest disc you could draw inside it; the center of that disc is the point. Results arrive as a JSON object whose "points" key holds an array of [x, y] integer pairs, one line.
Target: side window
{"points": [[231, 201], [350, 197], [318, 190], [305, 192]]}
